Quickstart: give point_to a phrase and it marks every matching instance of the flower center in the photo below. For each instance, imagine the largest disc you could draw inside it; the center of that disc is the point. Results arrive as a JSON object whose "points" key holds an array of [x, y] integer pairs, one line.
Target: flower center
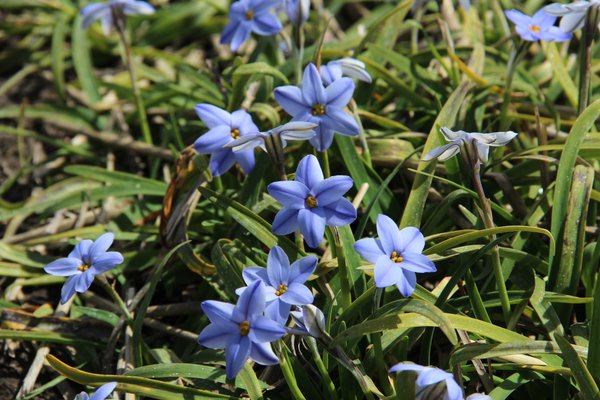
{"points": [[395, 257], [311, 202], [235, 133], [281, 290], [317, 109], [244, 328], [249, 15], [83, 267], [534, 28]]}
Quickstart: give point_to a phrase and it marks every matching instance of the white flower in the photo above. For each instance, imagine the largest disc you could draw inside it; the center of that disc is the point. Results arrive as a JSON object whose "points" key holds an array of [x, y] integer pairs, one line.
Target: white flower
{"points": [[479, 396], [295, 130], [482, 142], [573, 14], [344, 67]]}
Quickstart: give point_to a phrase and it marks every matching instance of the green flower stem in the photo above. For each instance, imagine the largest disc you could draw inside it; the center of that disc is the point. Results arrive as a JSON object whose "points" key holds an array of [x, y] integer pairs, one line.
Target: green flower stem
{"points": [[382, 370], [324, 156], [585, 56], [361, 135], [327, 382], [298, 51], [288, 374], [117, 299], [516, 54], [119, 21], [344, 299], [275, 151], [488, 222]]}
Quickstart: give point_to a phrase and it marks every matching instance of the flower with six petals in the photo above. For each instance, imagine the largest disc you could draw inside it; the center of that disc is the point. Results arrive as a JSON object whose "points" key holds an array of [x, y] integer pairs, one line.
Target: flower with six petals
{"points": [[311, 202], [312, 102], [223, 129], [242, 330], [432, 383], [284, 284], [88, 259], [397, 255], [247, 16], [538, 27]]}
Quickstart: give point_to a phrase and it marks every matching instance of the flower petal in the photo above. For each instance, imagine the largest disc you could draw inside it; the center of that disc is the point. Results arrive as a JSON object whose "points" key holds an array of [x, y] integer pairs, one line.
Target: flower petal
{"points": [[240, 35], [277, 310], [246, 160], [407, 367], [517, 17], [407, 284], [387, 273], [417, 262], [221, 161], [323, 138], [451, 135], [236, 355], [262, 353], [246, 143], [264, 329], [251, 274], [63, 267], [339, 92], [389, 234], [302, 269], [429, 376], [250, 303], [290, 98], [298, 295], [455, 392], [278, 266], [82, 250], [341, 122], [84, 281], [106, 261], [138, 8], [309, 171], [217, 335], [213, 140], [217, 311], [410, 240], [331, 189], [286, 221], [93, 12], [291, 194], [104, 391], [266, 24], [312, 225], [369, 249], [68, 289], [212, 116], [100, 245], [340, 213], [242, 120], [312, 87]]}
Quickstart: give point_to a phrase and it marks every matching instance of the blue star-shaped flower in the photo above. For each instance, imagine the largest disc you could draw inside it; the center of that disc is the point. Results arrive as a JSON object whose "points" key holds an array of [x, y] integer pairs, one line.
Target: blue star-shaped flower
{"points": [[223, 129], [247, 16], [87, 260], [324, 107], [284, 283], [241, 330], [396, 255], [311, 202], [539, 27], [428, 379], [104, 12]]}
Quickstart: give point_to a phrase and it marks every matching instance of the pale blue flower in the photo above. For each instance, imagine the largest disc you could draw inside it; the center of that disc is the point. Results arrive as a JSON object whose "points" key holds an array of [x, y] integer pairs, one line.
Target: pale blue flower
{"points": [[311, 202], [247, 16], [572, 14], [309, 320], [460, 139], [224, 128], [297, 130], [87, 260], [105, 11], [102, 393], [242, 330], [297, 11], [539, 27], [284, 284], [324, 107], [428, 381], [397, 255]]}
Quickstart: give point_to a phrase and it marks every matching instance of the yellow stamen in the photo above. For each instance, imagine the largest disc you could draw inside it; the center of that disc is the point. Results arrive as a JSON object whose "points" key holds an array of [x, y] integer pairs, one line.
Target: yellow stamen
{"points": [[534, 28], [83, 267], [281, 290], [249, 15], [235, 133], [395, 257], [244, 328], [311, 202], [317, 109]]}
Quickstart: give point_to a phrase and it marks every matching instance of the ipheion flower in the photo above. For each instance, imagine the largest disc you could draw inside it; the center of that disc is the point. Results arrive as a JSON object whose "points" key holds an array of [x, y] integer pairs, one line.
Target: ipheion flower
{"points": [[247, 16], [311, 202], [432, 383], [397, 255], [242, 330], [106, 11], [572, 14], [284, 284], [350, 67], [538, 27], [87, 260], [102, 393]]}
